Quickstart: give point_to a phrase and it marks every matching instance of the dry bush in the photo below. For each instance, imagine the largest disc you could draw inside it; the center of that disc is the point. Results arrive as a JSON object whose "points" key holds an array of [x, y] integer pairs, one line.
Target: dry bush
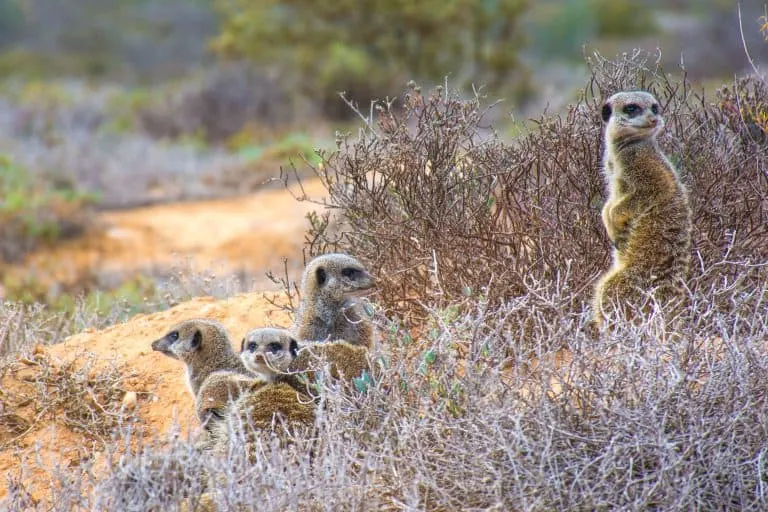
{"points": [[81, 393], [629, 422], [441, 208], [221, 106], [22, 325]]}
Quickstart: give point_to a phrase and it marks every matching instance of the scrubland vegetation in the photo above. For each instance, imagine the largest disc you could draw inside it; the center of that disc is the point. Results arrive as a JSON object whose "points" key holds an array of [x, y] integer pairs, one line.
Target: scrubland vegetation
{"points": [[491, 393]]}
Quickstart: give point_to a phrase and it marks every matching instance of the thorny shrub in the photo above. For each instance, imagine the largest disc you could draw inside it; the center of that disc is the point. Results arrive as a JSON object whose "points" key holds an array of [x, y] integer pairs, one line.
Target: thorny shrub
{"points": [[627, 422], [441, 208], [81, 393]]}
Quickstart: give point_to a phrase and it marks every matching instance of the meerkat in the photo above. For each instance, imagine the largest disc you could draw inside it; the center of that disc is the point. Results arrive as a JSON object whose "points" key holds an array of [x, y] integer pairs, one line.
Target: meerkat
{"points": [[647, 215], [203, 346], [330, 308], [268, 352]]}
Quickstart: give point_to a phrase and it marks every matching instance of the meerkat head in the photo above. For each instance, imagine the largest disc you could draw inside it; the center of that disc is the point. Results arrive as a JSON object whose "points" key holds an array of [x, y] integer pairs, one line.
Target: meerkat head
{"points": [[268, 352], [187, 340], [632, 114], [336, 276]]}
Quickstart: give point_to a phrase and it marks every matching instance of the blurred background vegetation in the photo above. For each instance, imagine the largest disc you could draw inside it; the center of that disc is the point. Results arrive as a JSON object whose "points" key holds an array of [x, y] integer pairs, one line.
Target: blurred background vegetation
{"points": [[108, 104]]}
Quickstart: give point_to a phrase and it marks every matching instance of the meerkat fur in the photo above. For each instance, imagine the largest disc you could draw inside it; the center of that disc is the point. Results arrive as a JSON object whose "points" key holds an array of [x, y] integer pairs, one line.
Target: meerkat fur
{"points": [[647, 215], [330, 308], [219, 391], [203, 346], [344, 360]]}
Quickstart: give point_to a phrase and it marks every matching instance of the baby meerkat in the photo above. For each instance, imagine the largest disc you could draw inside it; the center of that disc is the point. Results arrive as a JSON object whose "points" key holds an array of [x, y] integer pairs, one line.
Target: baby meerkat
{"points": [[267, 352], [647, 214], [330, 308], [204, 346]]}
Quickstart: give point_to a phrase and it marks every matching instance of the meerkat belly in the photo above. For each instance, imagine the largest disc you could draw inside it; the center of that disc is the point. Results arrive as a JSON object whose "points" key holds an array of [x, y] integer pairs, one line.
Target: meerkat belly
{"points": [[657, 235]]}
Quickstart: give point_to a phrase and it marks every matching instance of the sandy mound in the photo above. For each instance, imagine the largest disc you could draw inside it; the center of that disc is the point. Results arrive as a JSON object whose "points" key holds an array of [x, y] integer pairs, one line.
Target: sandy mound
{"points": [[163, 399]]}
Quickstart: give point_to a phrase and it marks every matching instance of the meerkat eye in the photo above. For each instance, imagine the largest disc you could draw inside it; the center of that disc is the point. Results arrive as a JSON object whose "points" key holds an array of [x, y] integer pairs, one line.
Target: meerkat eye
{"points": [[350, 273], [632, 110], [274, 347], [655, 109], [173, 336], [252, 346], [606, 112], [321, 277]]}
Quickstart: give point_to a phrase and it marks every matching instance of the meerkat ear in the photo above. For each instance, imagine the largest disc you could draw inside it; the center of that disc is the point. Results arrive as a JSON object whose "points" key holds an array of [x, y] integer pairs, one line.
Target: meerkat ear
{"points": [[294, 348], [321, 276], [606, 112], [197, 340], [242, 344]]}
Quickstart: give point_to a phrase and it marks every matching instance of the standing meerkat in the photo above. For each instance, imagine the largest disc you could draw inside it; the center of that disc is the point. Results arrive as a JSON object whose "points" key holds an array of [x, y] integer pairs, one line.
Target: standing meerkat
{"points": [[647, 215], [203, 346], [330, 308]]}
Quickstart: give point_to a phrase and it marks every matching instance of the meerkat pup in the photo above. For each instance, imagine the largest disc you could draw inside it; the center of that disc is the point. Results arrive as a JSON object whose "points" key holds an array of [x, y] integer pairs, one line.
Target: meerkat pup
{"points": [[647, 215], [203, 346], [268, 352], [330, 307]]}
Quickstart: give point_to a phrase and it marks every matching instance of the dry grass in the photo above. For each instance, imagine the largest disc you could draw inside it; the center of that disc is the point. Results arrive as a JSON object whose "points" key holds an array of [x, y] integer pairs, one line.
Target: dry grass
{"points": [[499, 400], [632, 421]]}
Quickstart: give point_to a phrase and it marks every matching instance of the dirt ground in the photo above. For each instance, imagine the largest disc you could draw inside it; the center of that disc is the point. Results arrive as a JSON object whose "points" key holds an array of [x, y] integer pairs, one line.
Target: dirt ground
{"points": [[253, 232]]}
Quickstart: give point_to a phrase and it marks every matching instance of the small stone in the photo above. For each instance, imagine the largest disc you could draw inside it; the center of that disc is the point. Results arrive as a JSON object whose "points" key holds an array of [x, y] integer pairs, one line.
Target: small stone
{"points": [[129, 400]]}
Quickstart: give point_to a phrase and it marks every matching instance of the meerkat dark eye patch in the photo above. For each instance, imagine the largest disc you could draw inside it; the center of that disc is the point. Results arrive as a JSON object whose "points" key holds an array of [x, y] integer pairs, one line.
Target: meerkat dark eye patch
{"points": [[655, 109], [197, 340], [321, 276], [350, 273], [274, 347], [294, 348], [172, 336], [632, 110], [252, 346], [606, 112]]}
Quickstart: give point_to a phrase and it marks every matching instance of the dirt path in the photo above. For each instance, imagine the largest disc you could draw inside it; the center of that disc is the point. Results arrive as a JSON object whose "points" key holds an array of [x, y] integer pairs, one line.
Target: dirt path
{"points": [[251, 233]]}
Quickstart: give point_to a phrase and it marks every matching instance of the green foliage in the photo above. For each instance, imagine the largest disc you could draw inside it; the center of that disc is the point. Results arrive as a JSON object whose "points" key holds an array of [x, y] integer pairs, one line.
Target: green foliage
{"points": [[560, 29], [621, 18], [35, 210], [11, 20], [368, 48]]}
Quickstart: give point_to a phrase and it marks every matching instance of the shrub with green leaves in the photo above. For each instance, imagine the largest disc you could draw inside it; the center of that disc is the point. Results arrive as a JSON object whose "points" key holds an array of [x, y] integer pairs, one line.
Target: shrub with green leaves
{"points": [[367, 48], [34, 210]]}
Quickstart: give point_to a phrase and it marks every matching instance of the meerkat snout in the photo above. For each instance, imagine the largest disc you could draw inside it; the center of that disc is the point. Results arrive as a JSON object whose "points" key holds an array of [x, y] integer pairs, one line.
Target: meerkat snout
{"points": [[350, 281], [179, 346]]}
